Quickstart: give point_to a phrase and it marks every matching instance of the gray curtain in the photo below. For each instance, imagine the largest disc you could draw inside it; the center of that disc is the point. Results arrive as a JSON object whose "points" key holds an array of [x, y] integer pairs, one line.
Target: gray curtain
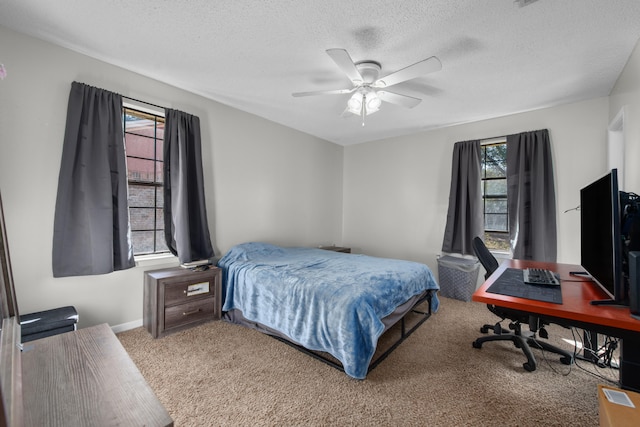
{"points": [[185, 217], [531, 196], [465, 218], [91, 232]]}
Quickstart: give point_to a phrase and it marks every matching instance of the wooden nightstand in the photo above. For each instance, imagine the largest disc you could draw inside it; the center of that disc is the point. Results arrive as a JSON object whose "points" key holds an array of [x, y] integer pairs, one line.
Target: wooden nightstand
{"points": [[178, 298], [336, 249]]}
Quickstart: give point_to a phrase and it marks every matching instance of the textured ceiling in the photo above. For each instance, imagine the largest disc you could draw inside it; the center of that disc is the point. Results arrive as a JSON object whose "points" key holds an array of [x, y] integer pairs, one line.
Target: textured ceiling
{"points": [[497, 57]]}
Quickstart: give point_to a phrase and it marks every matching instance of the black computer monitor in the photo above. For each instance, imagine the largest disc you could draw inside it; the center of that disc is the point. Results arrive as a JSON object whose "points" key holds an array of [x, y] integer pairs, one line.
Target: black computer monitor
{"points": [[601, 238]]}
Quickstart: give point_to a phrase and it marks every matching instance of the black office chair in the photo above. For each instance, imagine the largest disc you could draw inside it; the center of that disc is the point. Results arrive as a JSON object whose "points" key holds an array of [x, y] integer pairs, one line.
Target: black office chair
{"points": [[523, 340], [490, 264]]}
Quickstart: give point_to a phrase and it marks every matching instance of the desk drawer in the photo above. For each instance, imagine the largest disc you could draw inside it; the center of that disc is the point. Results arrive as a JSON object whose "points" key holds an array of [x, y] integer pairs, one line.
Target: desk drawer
{"points": [[195, 311]]}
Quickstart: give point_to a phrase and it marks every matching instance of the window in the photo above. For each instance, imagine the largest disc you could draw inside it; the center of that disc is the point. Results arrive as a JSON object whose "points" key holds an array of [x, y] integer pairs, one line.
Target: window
{"points": [[144, 135], [494, 195]]}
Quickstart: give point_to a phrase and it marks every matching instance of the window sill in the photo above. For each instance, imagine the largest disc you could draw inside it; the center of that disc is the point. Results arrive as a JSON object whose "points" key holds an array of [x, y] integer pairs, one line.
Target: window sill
{"points": [[156, 259], [501, 254]]}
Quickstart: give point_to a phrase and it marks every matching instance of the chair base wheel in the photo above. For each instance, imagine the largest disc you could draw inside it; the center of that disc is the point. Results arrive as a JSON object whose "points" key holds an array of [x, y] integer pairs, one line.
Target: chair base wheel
{"points": [[484, 329], [476, 344], [528, 367], [566, 360]]}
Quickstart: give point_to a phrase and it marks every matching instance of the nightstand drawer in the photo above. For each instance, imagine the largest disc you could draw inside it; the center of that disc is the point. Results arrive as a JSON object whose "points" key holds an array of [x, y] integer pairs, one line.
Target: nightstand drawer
{"points": [[178, 293], [184, 314]]}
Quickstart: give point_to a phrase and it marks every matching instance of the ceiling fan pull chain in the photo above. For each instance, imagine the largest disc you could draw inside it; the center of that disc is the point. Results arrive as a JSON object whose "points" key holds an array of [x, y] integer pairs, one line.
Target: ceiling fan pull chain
{"points": [[363, 111]]}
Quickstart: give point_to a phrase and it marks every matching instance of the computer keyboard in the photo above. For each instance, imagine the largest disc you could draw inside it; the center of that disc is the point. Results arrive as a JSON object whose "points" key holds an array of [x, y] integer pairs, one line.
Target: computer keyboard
{"points": [[540, 277]]}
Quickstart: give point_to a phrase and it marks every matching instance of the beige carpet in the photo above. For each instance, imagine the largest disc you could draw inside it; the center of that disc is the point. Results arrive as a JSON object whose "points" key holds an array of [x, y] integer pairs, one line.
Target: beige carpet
{"points": [[223, 374]]}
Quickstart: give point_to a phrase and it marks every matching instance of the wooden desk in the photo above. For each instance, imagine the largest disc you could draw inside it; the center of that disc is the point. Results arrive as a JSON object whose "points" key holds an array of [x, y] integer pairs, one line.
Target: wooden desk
{"points": [[576, 310], [86, 378]]}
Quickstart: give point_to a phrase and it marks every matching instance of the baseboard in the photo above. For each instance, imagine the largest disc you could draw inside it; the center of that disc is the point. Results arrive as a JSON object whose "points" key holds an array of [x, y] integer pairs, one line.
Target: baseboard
{"points": [[126, 326]]}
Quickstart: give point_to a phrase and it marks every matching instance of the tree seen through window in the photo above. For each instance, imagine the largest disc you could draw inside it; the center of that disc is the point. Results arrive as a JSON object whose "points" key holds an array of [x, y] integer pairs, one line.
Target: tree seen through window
{"points": [[494, 195]]}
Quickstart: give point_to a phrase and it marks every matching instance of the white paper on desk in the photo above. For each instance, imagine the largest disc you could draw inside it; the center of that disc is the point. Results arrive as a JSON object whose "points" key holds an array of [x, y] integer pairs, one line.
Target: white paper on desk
{"points": [[618, 397]]}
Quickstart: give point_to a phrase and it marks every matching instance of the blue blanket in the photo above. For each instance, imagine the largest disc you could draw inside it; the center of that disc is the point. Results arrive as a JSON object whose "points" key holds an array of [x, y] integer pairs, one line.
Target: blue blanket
{"points": [[324, 300]]}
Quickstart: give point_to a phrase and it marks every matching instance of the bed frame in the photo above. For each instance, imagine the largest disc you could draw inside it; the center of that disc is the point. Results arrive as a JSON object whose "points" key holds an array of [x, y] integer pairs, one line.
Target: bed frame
{"points": [[393, 324]]}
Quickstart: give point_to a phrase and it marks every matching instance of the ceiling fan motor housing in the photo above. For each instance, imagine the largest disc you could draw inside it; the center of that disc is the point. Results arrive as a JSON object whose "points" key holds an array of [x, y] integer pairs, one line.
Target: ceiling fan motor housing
{"points": [[369, 70]]}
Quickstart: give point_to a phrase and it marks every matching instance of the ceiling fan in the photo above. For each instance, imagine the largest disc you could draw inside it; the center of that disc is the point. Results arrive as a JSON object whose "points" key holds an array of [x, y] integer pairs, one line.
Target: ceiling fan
{"points": [[368, 89]]}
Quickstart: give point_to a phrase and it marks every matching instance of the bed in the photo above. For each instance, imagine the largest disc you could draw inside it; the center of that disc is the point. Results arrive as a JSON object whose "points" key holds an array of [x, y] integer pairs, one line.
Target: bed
{"points": [[324, 301]]}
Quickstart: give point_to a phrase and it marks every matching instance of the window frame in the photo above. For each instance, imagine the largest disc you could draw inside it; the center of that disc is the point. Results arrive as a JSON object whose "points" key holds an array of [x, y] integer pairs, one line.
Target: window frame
{"points": [[156, 184], [490, 232]]}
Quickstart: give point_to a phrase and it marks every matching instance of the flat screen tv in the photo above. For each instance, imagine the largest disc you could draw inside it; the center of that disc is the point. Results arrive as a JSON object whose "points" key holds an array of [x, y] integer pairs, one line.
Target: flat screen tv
{"points": [[601, 238]]}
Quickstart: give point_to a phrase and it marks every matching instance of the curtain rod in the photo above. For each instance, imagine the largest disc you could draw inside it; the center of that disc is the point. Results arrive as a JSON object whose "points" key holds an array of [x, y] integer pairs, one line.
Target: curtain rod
{"points": [[144, 102], [127, 97], [484, 140], [505, 136]]}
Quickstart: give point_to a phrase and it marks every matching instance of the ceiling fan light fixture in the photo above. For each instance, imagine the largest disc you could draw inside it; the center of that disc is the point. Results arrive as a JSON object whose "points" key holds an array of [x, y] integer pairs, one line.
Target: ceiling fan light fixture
{"points": [[364, 98], [373, 103], [355, 103]]}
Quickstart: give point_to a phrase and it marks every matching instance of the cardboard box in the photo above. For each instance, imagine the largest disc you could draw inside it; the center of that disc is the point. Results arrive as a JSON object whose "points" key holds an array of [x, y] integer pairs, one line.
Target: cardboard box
{"points": [[617, 415]]}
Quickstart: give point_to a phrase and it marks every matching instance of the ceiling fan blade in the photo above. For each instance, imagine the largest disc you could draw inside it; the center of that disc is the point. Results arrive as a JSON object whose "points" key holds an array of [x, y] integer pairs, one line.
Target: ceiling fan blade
{"points": [[323, 92], [398, 99], [418, 69], [343, 60]]}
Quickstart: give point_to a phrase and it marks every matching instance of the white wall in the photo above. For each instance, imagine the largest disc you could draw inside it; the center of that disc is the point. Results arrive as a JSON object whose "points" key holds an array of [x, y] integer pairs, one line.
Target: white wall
{"points": [[626, 93], [396, 191], [262, 180]]}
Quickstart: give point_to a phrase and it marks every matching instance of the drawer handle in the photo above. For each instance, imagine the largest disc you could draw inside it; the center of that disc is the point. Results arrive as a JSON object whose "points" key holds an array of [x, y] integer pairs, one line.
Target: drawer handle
{"points": [[197, 289], [189, 313], [196, 292]]}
